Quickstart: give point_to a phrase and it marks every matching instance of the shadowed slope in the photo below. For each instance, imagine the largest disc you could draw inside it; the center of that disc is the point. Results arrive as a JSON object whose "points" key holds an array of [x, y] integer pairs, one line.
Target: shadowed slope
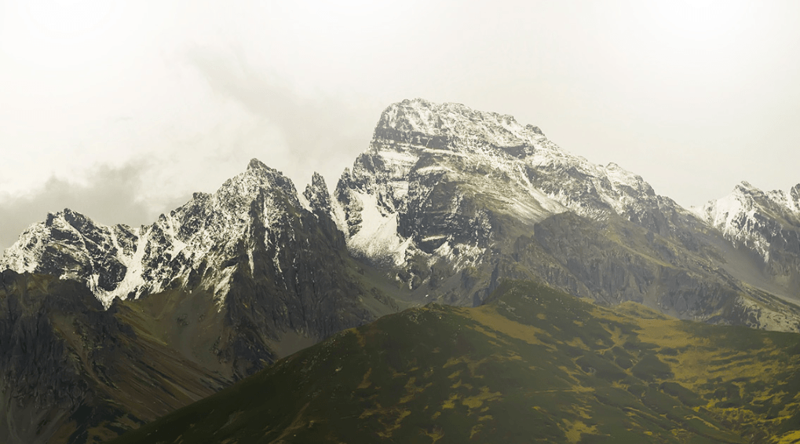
{"points": [[75, 373], [534, 364]]}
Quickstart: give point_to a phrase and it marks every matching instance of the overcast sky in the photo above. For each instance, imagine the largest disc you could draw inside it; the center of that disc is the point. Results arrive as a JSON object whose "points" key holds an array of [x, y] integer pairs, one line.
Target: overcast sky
{"points": [[121, 110]]}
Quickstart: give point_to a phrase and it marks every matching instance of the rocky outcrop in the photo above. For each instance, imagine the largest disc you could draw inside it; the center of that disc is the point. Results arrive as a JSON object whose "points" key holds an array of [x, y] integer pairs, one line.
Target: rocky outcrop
{"points": [[269, 262]]}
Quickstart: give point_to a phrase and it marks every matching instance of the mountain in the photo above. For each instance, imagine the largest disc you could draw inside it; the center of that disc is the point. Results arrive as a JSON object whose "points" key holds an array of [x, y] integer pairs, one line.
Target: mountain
{"points": [[257, 264], [531, 365], [448, 200], [73, 372], [223, 286], [445, 204], [768, 224]]}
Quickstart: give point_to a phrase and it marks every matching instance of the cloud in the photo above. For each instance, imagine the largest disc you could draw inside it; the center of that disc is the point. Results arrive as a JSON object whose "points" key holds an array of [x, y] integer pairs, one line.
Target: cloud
{"points": [[322, 134], [252, 114], [108, 195]]}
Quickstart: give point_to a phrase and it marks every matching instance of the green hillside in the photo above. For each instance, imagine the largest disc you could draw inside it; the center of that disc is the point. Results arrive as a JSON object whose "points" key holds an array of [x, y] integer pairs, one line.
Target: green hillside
{"points": [[73, 372], [532, 365]]}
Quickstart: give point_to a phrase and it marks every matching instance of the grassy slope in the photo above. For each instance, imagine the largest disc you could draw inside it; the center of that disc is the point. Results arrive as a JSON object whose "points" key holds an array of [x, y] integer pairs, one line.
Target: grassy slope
{"points": [[74, 373], [533, 365]]}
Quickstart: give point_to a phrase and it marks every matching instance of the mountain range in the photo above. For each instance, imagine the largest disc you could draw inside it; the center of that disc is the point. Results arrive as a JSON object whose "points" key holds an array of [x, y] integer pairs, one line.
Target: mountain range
{"points": [[444, 205]]}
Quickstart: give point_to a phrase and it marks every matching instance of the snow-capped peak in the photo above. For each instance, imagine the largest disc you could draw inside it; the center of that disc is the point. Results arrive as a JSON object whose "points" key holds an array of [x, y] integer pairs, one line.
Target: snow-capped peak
{"points": [[419, 145], [746, 197], [198, 237], [753, 217]]}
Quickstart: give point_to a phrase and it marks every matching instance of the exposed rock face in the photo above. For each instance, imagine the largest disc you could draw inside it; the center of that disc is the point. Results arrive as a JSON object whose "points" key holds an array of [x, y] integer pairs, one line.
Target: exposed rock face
{"points": [[768, 223], [441, 173], [230, 282], [252, 241], [69, 244], [227, 280], [317, 195], [451, 200], [198, 237]]}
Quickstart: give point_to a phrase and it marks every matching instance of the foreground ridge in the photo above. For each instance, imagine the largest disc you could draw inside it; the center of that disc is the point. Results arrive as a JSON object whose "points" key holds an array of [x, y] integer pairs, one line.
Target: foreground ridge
{"points": [[532, 363]]}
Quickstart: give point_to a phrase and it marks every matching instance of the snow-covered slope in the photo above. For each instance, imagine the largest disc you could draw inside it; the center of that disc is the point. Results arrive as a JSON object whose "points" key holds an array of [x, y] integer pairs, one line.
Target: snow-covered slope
{"points": [[196, 246], [123, 262], [755, 219], [450, 200], [405, 196], [446, 201]]}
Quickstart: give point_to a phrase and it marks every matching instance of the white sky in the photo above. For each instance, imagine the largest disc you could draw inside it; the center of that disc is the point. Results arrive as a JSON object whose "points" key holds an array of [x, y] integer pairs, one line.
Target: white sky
{"points": [[121, 110]]}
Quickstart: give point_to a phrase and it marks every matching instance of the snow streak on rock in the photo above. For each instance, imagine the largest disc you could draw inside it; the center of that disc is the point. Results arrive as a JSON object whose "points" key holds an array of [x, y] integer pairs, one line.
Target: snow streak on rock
{"points": [[200, 238], [422, 152], [758, 220]]}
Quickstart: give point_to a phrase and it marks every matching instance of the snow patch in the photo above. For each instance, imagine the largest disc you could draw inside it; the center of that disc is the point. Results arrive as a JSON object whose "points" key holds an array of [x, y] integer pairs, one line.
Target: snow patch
{"points": [[398, 157], [434, 169], [338, 216], [377, 237], [133, 282], [223, 285], [304, 202]]}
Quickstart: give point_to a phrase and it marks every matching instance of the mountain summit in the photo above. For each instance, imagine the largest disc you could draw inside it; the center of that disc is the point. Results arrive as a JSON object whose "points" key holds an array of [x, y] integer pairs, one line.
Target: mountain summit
{"points": [[419, 146], [449, 200], [187, 247]]}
